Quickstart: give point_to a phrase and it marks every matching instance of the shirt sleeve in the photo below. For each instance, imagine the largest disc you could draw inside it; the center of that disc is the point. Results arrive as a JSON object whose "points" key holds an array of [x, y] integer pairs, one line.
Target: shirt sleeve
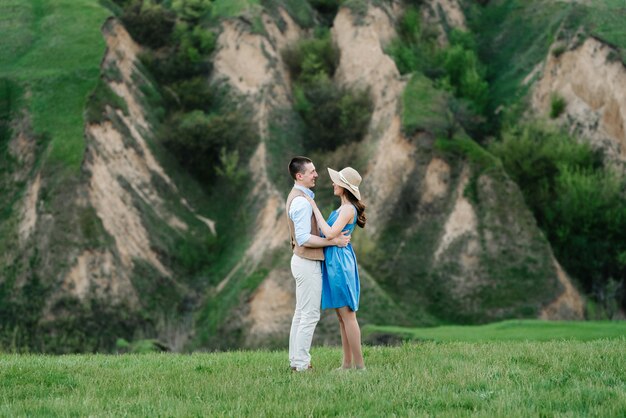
{"points": [[300, 213]]}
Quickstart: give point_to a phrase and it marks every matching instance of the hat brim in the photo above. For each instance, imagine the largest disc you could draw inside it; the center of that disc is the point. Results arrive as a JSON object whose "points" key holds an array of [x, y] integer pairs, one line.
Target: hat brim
{"points": [[334, 176]]}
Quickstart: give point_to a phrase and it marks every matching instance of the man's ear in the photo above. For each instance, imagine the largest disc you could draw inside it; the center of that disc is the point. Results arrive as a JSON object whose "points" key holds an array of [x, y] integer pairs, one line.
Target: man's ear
{"points": [[299, 176]]}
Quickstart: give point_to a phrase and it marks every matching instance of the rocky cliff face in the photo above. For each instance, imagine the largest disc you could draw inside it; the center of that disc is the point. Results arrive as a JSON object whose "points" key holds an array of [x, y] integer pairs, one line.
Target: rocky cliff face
{"points": [[96, 239], [465, 237], [120, 167], [426, 241], [446, 238], [593, 86]]}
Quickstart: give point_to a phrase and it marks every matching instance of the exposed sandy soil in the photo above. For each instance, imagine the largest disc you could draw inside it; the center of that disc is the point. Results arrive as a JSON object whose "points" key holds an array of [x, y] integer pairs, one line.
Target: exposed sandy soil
{"points": [[364, 64], [92, 275], [22, 147], [569, 305], [112, 202], [29, 210], [116, 164], [594, 89], [271, 308], [462, 221], [436, 181]]}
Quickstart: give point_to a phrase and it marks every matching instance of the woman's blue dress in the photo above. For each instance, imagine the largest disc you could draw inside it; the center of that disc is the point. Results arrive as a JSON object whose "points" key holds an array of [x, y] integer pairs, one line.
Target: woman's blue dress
{"points": [[340, 276]]}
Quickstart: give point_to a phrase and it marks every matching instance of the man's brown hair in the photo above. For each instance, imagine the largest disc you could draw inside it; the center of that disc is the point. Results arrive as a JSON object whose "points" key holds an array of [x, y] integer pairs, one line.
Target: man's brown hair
{"points": [[297, 164]]}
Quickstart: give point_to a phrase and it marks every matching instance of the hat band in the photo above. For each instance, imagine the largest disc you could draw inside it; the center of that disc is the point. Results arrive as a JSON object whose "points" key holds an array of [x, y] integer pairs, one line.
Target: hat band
{"points": [[352, 186]]}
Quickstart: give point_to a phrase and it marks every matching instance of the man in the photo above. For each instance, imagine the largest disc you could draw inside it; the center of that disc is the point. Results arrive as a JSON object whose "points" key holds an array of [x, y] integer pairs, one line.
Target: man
{"points": [[306, 262]]}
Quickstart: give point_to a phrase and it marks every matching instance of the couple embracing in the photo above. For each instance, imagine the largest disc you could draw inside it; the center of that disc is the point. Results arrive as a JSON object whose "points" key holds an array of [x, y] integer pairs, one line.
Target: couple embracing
{"points": [[323, 262]]}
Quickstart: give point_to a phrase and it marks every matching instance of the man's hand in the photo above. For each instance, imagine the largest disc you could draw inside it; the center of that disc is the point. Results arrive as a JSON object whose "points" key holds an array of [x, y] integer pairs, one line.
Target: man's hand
{"points": [[342, 240]]}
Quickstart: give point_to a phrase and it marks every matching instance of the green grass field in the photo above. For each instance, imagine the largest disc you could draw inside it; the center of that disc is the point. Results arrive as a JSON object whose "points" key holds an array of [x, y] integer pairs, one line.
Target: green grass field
{"points": [[484, 378], [513, 330]]}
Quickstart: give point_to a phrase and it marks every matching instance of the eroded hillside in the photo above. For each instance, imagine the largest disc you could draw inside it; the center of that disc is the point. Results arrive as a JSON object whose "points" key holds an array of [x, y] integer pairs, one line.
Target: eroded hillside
{"points": [[136, 245], [427, 246]]}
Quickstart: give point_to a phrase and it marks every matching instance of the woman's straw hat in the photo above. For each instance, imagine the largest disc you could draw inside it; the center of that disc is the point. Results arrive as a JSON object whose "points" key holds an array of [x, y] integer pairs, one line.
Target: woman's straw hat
{"points": [[348, 178]]}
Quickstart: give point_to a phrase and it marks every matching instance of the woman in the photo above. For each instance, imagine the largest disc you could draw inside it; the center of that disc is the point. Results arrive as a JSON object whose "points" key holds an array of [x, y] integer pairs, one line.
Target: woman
{"points": [[340, 276]]}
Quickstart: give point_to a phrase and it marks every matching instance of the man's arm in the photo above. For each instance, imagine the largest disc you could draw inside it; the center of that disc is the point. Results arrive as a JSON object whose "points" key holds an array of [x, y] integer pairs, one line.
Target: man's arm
{"points": [[319, 242], [300, 213]]}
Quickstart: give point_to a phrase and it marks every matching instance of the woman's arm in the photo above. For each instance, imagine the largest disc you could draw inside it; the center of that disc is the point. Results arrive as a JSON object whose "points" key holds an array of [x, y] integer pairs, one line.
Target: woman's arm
{"points": [[321, 222], [346, 213]]}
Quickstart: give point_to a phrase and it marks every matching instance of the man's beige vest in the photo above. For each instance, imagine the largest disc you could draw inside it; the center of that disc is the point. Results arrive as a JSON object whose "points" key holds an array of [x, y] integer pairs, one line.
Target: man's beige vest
{"points": [[304, 252]]}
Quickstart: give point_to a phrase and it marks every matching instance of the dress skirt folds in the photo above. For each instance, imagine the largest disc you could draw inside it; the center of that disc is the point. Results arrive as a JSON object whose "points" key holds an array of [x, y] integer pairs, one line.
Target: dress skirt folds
{"points": [[340, 276]]}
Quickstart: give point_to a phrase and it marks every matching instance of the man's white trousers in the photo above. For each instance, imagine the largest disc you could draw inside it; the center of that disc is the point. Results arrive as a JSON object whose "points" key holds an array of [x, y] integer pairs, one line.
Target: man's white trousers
{"points": [[308, 276]]}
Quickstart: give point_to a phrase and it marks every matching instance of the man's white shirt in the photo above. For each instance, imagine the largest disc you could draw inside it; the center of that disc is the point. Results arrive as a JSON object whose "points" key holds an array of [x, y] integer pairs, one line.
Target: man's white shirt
{"points": [[300, 212]]}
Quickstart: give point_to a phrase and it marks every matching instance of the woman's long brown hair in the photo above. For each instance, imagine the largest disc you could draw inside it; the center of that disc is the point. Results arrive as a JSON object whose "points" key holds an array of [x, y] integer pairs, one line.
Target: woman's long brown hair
{"points": [[360, 208]]}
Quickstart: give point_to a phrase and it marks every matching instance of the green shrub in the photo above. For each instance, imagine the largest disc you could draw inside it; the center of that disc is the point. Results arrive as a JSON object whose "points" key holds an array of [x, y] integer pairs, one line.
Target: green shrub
{"points": [[357, 7], [415, 3], [404, 56], [456, 69], [465, 75], [174, 66], [333, 115], [424, 108], [557, 106], [409, 26], [558, 50], [181, 30], [327, 9], [229, 167], [577, 202], [310, 59], [189, 94], [588, 224], [10, 93], [194, 254], [149, 23], [192, 10], [533, 157], [197, 138], [187, 56], [194, 43], [416, 48], [139, 346]]}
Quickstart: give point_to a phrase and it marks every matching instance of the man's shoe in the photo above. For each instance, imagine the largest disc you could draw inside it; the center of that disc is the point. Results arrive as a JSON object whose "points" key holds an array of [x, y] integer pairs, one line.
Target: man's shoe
{"points": [[295, 369]]}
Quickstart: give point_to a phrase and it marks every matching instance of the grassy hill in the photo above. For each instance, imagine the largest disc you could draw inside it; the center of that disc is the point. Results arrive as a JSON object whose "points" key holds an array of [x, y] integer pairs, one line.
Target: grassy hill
{"points": [[515, 35], [52, 50], [488, 378], [50, 60]]}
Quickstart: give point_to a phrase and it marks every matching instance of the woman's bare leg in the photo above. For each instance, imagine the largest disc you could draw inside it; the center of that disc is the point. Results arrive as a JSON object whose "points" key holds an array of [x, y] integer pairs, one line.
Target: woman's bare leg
{"points": [[345, 345], [353, 335]]}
